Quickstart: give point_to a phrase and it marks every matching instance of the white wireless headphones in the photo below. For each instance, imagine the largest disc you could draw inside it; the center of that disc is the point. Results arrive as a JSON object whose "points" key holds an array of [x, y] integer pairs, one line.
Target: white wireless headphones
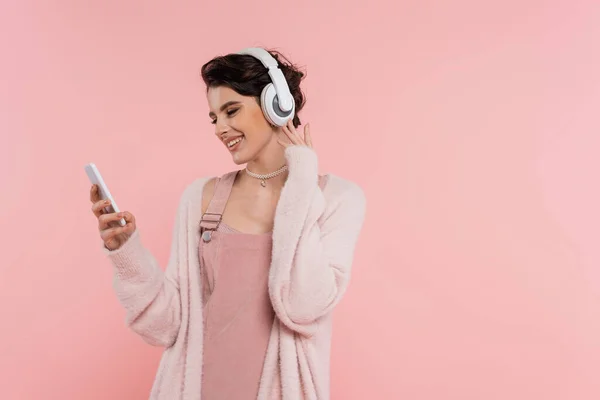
{"points": [[276, 101]]}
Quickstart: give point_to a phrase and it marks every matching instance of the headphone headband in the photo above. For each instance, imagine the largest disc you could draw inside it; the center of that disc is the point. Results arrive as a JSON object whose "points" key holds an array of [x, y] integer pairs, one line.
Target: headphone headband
{"points": [[282, 89]]}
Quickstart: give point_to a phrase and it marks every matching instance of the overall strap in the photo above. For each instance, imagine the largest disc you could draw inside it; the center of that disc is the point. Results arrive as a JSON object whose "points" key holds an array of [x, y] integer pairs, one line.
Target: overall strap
{"points": [[214, 213], [212, 217]]}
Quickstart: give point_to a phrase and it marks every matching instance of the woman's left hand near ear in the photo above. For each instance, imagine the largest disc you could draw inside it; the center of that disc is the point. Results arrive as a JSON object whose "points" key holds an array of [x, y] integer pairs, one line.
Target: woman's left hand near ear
{"points": [[295, 138]]}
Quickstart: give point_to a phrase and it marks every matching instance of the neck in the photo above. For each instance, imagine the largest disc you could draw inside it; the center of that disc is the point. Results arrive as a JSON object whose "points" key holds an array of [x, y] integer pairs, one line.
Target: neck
{"points": [[270, 159]]}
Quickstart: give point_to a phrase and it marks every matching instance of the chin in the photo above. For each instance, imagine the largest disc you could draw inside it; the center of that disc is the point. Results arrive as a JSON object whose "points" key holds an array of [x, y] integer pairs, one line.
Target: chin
{"points": [[240, 158], [249, 152], [238, 161]]}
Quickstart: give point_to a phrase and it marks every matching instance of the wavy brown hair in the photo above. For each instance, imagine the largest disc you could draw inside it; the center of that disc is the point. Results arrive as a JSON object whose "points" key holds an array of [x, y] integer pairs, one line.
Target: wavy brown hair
{"points": [[248, 76]]}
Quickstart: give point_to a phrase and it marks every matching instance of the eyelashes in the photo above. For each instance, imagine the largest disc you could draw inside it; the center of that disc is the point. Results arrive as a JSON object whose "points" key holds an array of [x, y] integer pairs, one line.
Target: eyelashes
{"points": [[230, 113]]}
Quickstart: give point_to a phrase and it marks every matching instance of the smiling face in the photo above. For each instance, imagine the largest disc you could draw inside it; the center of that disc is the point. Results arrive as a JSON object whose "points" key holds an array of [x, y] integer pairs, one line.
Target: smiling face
{"points": [[239, 123]]}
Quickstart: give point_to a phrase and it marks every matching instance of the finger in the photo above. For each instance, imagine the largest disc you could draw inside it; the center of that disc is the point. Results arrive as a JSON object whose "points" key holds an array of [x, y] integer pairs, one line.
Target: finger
{"points": [[295, 131], [94, 195], [108, 234], [307, 137], [293, 138], [98, 207], [107, 221], [128, 217], [284, 144], [284, 140]]}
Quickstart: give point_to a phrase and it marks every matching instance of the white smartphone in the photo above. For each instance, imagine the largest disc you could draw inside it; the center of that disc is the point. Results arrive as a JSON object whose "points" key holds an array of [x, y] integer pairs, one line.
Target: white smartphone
{"points": [[94, 174]]}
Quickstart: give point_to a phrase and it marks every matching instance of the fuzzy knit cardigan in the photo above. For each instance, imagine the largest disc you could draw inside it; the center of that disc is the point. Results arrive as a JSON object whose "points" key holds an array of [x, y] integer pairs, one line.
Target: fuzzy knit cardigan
{"points": [[314, 236]]}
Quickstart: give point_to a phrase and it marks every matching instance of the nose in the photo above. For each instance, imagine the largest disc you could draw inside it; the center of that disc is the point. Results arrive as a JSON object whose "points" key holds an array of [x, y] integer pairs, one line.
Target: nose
{"points": [[221, 129]]}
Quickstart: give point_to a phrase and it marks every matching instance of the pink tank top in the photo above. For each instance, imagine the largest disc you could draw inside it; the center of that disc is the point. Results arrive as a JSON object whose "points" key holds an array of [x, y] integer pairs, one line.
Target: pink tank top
{"points": [[238, 315]]}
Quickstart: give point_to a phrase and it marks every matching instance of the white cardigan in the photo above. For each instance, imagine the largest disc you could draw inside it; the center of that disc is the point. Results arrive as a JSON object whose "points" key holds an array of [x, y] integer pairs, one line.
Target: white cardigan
{"points": [[314, 236]]}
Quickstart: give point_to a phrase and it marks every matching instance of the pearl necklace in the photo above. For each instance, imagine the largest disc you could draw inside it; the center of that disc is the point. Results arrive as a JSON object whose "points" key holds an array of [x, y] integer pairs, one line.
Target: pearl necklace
{"points": [[264, 177]]}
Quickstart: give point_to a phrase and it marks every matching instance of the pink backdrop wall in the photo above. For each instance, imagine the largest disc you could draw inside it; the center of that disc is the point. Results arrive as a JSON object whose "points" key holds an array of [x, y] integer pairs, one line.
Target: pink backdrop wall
{"points": [[472, 126]]}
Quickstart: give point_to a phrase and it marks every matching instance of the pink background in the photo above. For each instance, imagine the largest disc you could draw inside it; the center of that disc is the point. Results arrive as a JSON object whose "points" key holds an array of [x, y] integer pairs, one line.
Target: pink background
{"points": [[472, 126]]}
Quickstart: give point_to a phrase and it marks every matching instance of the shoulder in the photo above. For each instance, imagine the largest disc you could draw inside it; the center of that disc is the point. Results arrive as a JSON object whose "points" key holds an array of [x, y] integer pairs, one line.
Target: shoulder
{"points": [[345, 205], [200, 191], [345, 202], [193, 192], [338, 189]]}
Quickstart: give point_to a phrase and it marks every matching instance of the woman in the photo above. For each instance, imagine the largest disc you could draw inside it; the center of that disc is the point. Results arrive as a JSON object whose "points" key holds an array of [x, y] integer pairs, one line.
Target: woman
{"points": [[259, 258]]}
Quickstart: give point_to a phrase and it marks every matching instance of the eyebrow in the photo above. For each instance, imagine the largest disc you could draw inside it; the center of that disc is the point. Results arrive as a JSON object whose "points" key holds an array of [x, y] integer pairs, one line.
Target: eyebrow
{"points": [[224, 106]]}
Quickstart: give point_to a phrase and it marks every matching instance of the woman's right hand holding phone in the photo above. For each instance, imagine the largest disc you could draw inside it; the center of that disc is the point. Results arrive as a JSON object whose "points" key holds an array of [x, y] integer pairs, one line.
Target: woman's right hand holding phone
{"points": [[111, 232]]}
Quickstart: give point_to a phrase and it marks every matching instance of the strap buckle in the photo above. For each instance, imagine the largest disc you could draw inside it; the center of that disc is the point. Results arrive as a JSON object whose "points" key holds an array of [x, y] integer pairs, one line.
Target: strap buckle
{"points": [[210, 218], [209, 222]]}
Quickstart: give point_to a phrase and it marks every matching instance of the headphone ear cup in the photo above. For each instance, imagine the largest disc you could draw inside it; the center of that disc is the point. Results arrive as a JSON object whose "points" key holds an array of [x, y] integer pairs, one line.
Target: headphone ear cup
{"points": [[267, 97], [268, 103]]}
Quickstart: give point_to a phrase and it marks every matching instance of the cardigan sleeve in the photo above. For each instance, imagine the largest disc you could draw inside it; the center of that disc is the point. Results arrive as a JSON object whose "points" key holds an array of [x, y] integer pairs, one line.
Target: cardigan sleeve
{"points": [[313, 243], [150, 296]]}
